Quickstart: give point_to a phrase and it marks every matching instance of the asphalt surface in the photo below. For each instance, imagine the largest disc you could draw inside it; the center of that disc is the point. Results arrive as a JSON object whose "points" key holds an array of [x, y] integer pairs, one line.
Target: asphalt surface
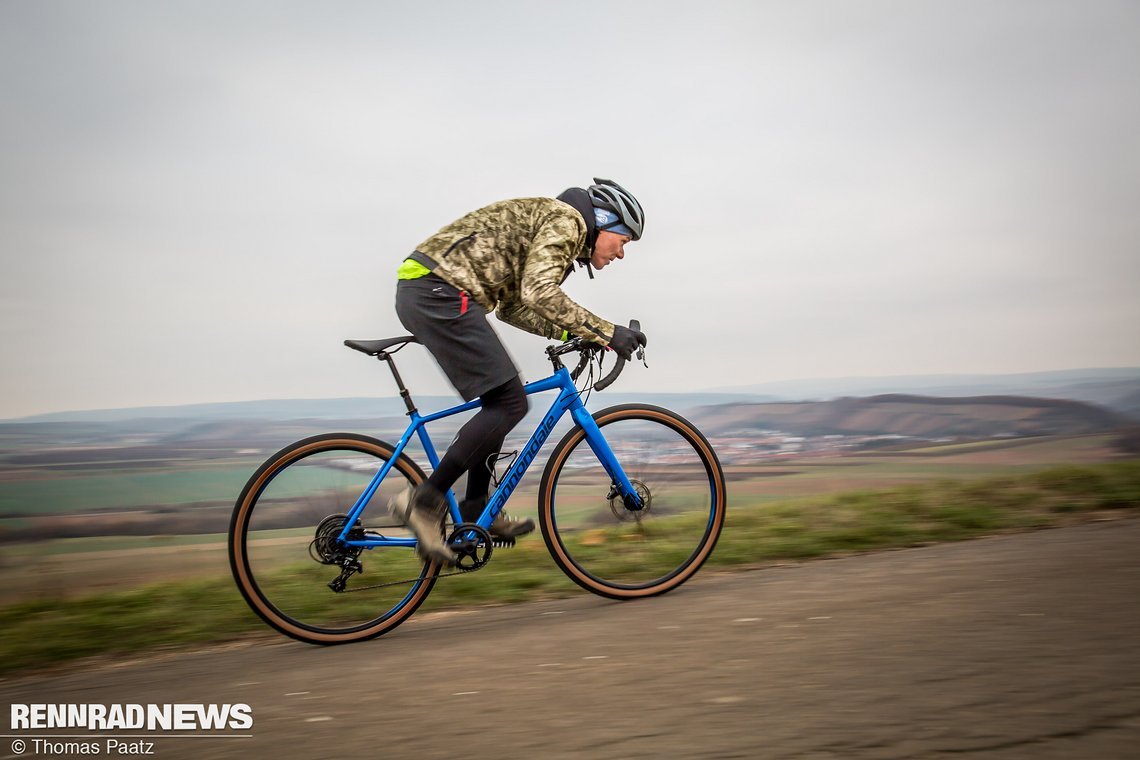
{"points": [[1020, 646]]}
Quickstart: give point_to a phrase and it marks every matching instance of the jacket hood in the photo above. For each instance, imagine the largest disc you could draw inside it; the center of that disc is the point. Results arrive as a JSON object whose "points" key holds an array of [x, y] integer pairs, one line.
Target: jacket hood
{"points": [[580, 200]]}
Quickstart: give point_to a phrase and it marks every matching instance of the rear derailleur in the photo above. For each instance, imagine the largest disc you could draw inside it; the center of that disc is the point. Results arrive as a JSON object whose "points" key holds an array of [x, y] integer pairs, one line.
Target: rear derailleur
{"points": [[328, 549]]}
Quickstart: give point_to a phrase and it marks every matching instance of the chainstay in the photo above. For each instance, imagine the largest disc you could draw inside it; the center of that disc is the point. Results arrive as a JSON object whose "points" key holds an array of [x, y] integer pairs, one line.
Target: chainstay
{"points": [[412, 580], [459, 571]]}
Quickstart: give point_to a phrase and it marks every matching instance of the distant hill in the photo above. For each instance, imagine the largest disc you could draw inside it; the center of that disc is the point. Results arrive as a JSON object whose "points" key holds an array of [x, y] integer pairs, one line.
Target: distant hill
{"points": [[1115, 388], [155, 442], [1129, 404], [275, 409], [350, 408], [265, 425], [917, 416]]}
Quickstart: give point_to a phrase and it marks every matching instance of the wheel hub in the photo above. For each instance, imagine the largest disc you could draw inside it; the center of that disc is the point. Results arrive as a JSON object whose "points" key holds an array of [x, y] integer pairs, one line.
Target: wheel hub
{"points": [[622, 511], [326, 546]]}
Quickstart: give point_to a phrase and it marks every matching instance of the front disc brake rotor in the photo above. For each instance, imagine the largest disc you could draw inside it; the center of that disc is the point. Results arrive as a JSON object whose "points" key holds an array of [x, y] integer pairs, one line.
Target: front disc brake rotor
{"points": [[623, 512]]}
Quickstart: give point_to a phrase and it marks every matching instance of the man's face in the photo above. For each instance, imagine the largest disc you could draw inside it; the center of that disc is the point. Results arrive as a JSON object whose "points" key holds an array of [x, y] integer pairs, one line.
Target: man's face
{"points": [[609, 246]]}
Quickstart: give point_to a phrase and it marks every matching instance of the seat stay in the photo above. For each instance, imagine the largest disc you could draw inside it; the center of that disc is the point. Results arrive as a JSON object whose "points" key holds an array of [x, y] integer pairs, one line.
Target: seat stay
{"points": [[363, 500], [418, 427]]}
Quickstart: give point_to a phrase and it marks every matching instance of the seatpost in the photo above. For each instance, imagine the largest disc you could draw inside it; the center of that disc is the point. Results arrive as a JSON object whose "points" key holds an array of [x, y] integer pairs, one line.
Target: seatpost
{"points": [[404, 394]]}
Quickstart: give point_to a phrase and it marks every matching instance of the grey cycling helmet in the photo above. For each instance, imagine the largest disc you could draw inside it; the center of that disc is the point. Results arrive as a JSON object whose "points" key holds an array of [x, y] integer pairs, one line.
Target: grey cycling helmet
{"points": [[609, 195]]}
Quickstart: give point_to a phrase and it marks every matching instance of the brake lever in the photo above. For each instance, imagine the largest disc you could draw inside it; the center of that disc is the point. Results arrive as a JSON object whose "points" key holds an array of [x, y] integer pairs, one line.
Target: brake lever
{"points": [[635, 324], [583, 362]]}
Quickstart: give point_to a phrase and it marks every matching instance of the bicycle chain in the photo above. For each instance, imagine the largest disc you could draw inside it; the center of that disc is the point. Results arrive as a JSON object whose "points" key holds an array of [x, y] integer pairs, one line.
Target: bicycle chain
{"points": [[413, 580], [488, 542]]}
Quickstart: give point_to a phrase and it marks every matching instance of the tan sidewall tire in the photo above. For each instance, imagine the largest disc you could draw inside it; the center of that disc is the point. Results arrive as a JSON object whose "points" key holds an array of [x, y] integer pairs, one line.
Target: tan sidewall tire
{"points": [[239, 560], [554, 467]]}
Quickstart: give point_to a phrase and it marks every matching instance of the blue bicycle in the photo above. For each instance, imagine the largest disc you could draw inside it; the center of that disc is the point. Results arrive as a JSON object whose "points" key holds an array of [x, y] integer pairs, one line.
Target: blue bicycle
{"points": [[631, 503]]}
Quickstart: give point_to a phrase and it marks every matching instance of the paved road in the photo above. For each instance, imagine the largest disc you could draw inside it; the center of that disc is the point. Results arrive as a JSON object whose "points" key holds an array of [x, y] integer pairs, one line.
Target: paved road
{"points": [[1023, 646]]}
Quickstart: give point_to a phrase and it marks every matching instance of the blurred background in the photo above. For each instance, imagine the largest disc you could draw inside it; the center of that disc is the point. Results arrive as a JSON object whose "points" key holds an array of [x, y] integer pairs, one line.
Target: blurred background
{"points": [[201, 200]]}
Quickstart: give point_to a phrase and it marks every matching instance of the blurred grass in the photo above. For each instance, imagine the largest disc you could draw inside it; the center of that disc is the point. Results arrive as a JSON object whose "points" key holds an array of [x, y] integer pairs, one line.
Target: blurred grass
{"points": [[173, 614]]}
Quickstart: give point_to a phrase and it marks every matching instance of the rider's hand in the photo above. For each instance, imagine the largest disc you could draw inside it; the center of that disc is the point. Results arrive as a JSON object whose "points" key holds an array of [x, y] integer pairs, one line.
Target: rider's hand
{"points": [[626, 341]]}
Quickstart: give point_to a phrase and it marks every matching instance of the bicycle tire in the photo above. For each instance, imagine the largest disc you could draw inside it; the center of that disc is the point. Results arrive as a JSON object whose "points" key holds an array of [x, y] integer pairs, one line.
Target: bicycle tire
{"points": [[610, 550], [272, 539]]}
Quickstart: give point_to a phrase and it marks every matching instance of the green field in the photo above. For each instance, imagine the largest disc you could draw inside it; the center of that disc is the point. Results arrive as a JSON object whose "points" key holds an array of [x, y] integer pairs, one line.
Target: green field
{"points": [[43, 492], [117, 488], [66, 597], [96, 610], [70, 567]]}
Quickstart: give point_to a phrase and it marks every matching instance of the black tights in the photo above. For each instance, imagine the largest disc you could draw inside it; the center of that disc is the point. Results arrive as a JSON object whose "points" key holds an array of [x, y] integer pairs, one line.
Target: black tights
{"points": [[482, 435]]}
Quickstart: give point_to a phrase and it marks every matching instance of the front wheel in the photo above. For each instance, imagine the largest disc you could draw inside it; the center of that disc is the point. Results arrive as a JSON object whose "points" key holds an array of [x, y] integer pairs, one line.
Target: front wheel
{"points": [[284, 549], [617, 551]]}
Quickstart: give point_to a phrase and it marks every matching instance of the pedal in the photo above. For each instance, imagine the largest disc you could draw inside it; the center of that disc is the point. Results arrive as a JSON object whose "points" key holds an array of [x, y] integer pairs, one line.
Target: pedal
{"points": [[503, 542]]}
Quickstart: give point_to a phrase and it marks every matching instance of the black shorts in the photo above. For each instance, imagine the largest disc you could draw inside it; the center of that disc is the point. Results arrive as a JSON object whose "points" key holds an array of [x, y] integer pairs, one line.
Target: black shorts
{"points": [[455, 330]]}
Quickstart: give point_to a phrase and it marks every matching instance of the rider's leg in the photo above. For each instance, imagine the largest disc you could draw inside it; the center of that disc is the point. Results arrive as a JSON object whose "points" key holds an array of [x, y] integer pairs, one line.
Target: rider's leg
{"points": [[480, 437], [423, 509], [456, 332], [478, 441], [509, 402]]}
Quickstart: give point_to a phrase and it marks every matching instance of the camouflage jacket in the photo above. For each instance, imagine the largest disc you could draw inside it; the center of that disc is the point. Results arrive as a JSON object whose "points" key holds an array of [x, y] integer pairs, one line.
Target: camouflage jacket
{"points": [[512, 258]]}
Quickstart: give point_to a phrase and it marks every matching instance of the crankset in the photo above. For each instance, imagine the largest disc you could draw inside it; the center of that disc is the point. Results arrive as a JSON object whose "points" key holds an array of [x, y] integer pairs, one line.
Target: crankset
{"points": [[471, 543], [473, 546]]}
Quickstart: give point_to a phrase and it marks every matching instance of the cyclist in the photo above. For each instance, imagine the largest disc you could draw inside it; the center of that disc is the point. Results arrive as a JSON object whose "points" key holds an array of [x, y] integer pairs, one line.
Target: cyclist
{"points": [[510, 258]]}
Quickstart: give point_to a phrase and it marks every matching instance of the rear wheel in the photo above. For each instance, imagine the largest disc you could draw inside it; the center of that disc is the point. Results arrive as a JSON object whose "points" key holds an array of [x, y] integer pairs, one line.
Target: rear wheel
{"points": [[621, 552], [284, 548]]}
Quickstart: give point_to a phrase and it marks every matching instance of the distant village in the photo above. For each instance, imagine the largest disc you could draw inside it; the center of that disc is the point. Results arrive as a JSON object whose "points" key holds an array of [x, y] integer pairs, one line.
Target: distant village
{"points": [[766, 445]]}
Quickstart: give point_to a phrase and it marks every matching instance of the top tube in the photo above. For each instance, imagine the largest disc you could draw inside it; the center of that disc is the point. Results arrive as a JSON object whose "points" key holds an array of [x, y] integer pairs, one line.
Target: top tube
{"points": [[560, 379]]}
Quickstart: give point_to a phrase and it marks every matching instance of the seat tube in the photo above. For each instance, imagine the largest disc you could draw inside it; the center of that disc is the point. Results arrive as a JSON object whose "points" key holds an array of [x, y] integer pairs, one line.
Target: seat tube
{"points": [[433, 460], [429, 447]]}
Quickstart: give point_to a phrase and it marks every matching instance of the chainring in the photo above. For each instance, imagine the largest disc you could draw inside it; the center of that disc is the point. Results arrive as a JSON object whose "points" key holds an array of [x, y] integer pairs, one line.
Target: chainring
{"points": [[472, 545]]}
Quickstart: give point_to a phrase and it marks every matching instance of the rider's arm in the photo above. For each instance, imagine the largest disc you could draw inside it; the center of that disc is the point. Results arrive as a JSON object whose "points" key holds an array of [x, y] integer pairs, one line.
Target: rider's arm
{"points": [[551, 252], [517, 315]]}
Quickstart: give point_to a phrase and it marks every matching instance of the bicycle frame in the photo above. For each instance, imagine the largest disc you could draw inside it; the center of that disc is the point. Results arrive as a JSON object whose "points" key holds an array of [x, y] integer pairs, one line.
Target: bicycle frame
{"points": [[568, 400]]}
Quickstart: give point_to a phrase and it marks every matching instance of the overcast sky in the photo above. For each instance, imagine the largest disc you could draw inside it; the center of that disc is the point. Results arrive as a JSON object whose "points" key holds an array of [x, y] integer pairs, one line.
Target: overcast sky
{"points": [[200, 200]]}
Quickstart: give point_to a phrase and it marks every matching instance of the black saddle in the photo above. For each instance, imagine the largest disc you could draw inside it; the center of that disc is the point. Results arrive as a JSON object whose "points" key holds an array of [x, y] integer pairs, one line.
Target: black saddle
{"points": [[377, 347]]}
